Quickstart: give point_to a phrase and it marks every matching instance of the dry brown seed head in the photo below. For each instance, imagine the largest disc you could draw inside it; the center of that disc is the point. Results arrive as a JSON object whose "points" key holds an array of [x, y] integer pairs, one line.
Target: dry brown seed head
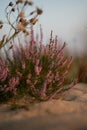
{"points": [[19, 1], [21, 14], [30, 3], [39, 11], [33, 20], [24, 31], [23, 21], [26, 2], [10, 4], [20, 27], [13, 9]]}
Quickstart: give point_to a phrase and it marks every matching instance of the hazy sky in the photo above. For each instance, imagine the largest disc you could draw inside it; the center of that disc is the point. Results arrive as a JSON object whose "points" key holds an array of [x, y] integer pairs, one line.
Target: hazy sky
{"points": [[67, 18]]}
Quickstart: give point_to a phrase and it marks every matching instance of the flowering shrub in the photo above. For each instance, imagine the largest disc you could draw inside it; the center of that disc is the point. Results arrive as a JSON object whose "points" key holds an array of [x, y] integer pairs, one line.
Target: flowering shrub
{"points": [[38, 69], [35, 69]]}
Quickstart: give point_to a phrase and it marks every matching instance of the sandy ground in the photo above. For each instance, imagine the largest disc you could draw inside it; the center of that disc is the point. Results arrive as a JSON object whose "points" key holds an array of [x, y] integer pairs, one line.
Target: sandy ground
{"points": [[67, 113]]}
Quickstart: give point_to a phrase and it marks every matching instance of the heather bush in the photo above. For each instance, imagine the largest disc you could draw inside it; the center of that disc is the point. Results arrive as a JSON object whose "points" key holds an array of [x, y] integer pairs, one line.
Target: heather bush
{"points": [[36, 69]]}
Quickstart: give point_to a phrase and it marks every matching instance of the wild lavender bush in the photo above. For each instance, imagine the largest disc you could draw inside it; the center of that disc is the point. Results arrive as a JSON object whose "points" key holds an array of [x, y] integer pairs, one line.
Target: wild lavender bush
{"points": [[35, 69]]}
